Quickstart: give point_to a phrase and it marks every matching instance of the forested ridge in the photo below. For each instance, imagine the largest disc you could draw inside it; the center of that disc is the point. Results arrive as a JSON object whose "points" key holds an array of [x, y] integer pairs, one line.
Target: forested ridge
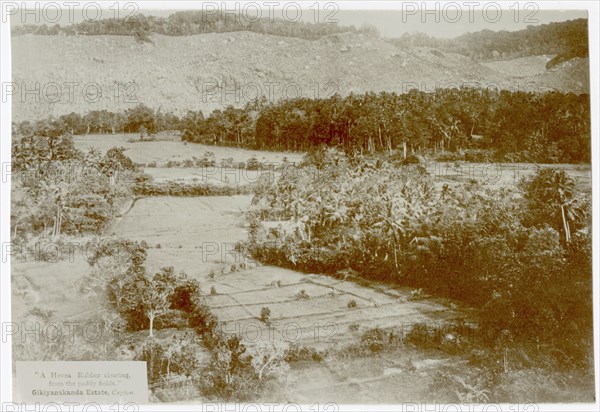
{"points": [[549, 127], [186, 23], [566, 40]]}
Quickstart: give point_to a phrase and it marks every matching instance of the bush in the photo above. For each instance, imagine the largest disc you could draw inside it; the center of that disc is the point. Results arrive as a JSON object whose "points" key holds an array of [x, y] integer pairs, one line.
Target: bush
{"points": [[297, 353], [189, 189], [253, 164], [373, 340], [208, 160], [265, 315], [422, 336], [186, 294], [302, 295], [228, 163]]}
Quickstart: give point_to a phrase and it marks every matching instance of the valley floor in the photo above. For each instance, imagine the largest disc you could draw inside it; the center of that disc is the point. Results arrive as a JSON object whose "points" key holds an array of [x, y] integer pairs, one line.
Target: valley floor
{"points": [[197, 235]]}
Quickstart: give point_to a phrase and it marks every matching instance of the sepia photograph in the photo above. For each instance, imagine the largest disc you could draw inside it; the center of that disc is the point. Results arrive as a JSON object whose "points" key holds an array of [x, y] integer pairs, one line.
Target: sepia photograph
{"points": [[299, 205]]}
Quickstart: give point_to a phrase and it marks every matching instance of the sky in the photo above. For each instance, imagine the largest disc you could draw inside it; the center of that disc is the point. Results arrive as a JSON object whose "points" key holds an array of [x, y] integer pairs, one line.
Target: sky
{"points": [[445, 22], [448, 25]]}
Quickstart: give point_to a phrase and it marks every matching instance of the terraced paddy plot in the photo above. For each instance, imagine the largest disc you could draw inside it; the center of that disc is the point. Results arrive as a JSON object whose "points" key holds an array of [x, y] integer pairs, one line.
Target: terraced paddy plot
{"points": [[217, 176], [503, 174], [313, 310], [186, 222], [161, 151], [198, 235]]}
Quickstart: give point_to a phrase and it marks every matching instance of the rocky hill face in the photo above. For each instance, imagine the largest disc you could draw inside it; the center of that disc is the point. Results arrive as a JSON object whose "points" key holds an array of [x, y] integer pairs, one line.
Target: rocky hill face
{"points": [[56, 75]]}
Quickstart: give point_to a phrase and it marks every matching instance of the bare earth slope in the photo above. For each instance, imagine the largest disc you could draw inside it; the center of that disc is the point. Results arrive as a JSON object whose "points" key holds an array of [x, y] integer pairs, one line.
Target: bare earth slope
{"points": [[180, 73]]}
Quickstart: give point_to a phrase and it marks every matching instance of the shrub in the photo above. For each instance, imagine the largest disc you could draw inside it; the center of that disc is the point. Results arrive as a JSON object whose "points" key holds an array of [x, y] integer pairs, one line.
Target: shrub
{"points": [[254, 164], [297, 353], [417, 294], [302, 295], [208, 160], [228, 163], [448, 157], [202, 320], [353, 327], [265, 315], [448, 387], [186, 294], [352, 304], [422, 336], [172, 188], [373, 339]]}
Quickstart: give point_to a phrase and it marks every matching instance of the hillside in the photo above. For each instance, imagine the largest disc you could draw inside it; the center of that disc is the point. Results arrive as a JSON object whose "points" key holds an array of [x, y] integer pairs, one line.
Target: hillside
{"points": [[179, 73], [564, 40]]}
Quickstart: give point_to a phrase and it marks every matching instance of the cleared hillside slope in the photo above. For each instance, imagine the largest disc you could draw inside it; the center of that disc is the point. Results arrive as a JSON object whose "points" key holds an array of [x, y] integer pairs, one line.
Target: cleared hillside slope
{"points": [[180, 73]]}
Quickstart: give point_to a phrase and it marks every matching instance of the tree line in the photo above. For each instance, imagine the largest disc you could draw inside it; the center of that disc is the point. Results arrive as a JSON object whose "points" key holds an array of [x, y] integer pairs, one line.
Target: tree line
{"points": [[186, 23], [452, 124], [140, 118]]}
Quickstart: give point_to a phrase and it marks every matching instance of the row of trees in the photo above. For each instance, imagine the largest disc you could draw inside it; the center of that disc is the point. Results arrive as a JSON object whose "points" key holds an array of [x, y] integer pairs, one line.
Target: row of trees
{"points": [[185, 23], [517, 126], [565, 39], [550, 127], [131, 120]]}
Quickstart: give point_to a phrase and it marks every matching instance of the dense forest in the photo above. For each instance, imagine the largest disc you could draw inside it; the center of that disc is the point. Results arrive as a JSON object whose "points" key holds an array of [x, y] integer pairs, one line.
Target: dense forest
{"points": [[565, 39], [451, 124], [190, 23]]}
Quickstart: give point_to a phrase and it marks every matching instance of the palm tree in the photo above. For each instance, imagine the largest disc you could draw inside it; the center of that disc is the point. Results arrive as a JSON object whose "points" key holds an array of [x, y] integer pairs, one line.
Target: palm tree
{"points": [[554, 191]]}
